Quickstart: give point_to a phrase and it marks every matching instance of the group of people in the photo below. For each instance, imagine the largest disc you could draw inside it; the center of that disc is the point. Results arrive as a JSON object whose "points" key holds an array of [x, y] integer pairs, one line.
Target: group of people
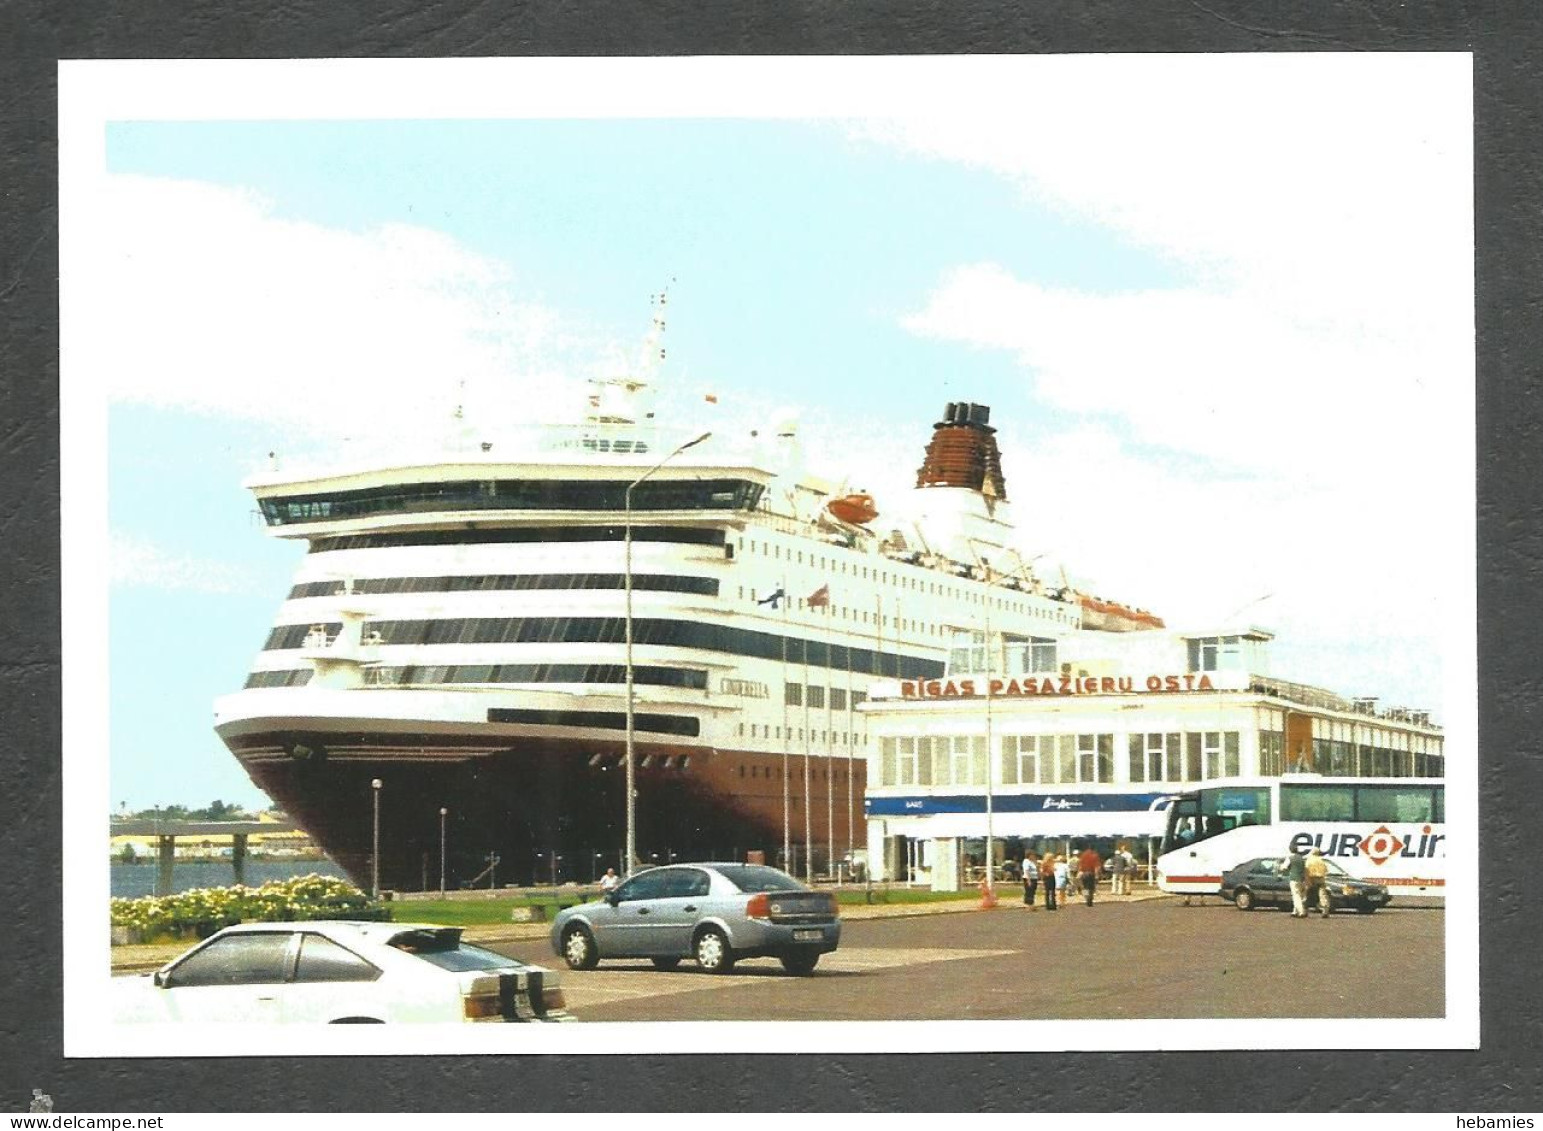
{"points": [[1059, 875], [1309, 880]]}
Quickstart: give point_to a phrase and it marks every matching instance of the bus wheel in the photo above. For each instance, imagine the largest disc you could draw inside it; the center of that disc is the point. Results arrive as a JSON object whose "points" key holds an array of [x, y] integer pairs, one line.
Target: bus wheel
{"points": [[1244, 899]]}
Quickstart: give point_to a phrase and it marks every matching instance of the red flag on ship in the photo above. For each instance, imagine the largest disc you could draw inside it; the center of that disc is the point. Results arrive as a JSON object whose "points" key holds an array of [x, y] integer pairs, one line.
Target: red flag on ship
{"points": [[820, 598]]}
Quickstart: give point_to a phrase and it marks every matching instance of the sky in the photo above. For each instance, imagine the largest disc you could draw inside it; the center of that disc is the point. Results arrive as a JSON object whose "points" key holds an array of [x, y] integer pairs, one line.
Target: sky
{"points": [[1221, 308]]}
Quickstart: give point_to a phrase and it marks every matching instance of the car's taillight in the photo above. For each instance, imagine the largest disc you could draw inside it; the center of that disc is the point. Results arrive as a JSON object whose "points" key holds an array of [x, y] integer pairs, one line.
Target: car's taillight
{"points": [[759, 906], [483, 1001]]}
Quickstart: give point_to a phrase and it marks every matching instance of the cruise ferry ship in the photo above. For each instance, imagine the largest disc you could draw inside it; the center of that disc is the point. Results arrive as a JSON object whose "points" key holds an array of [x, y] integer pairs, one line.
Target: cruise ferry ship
{"points": [[457, 631]]}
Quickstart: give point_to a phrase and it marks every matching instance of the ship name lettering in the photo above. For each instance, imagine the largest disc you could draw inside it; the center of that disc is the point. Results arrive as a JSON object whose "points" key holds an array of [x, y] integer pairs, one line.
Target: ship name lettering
{"points": [[746, 688]]}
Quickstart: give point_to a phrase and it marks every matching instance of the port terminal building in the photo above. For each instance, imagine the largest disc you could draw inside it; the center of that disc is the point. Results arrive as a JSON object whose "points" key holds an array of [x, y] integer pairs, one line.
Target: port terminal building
{"points": [[1087, 738]]}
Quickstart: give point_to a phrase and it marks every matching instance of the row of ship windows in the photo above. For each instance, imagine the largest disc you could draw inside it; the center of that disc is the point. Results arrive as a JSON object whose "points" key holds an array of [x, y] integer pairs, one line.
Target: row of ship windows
{"points": [[796, 734], [418, 675], [685, 725], [515, 494], [682, 535], [612, 630], [816, 697], [494, 582], [890, 579], [857, 616]]}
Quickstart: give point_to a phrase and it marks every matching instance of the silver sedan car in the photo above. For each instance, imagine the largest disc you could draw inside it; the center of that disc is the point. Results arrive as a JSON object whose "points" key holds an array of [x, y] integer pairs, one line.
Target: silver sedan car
{"points": [[713, 913]]}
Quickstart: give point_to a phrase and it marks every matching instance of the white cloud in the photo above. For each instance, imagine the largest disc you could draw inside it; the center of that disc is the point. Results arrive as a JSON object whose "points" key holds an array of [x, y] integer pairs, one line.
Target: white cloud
{"points": [[1317, 208], [137, 562], [214, 304], [1213, 373], [1293, 416]]}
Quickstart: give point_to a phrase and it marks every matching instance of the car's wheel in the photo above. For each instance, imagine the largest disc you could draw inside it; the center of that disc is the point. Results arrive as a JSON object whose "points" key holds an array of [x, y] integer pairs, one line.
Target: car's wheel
{"points": [[1244, 899], [579, 950], [1366, 908], [666, 963], [713, 953], [800, 963]]}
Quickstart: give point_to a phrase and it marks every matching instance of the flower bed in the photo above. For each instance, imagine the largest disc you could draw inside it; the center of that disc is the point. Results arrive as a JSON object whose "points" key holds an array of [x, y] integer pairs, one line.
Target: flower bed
{"points": [[202, 911]]}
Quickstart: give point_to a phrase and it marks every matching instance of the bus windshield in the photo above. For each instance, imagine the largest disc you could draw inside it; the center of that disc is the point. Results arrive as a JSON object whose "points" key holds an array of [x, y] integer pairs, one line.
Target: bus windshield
{"points": [[1210, 812]]}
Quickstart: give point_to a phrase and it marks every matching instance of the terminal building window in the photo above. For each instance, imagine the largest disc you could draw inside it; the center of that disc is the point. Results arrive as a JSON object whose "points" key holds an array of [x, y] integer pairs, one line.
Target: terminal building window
{"points": [[1226, 654], [1008, 653], [1148, 755], [1272, 753]]}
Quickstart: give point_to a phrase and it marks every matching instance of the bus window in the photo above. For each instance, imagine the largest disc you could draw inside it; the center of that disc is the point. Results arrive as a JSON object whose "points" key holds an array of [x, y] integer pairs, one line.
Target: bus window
{"points": [[1237, 806], [1316, 802], [1394, 803]]}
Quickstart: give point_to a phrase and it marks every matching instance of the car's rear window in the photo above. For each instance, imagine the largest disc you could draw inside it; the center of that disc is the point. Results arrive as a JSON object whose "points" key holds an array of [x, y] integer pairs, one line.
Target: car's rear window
{"points": [[757, 877], [446, 950]]}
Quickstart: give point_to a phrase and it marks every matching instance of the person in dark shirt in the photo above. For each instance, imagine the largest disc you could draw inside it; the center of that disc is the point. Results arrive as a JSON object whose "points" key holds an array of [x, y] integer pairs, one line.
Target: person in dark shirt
{"points": [[1089, 868], [1296, 874]]}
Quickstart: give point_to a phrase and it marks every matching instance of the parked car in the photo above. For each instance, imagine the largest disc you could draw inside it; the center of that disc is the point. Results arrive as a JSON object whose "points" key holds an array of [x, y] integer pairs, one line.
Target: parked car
{"points": [[713, 913], [1263, 882], [338, 972]]}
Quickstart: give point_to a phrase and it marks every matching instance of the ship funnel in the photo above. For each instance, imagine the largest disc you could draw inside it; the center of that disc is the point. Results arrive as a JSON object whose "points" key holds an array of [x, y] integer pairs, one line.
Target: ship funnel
{"points": [[963, 452]]}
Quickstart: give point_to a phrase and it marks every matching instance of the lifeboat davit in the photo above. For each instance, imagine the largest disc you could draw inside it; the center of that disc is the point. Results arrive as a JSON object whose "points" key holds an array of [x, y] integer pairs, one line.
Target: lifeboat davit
{"points": [[856, 509]]}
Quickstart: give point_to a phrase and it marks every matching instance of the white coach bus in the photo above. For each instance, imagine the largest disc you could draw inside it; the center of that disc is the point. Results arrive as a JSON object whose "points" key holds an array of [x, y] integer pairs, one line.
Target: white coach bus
{"points": [[1388, 830]]}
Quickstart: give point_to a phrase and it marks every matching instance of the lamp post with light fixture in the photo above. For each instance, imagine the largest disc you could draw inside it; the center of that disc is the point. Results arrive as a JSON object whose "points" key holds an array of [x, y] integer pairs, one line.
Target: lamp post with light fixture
{"points": [[632, 842], [375, 843], [443, 812]]}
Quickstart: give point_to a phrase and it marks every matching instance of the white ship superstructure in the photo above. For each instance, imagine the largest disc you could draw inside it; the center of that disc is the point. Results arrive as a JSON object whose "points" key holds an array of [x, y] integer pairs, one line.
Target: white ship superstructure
{"points": [[457, 631]]}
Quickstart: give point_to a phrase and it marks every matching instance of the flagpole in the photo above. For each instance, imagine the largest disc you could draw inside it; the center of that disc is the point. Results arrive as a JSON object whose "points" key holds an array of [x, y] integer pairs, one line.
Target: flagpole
{"points": [[830, 786], [808, 817], [991, 893], [787, 828], [851, 761]]}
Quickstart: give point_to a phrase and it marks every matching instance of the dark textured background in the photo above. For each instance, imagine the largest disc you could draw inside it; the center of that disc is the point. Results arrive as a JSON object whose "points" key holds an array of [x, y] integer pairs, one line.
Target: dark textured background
{"points": [[1504, 1077]]}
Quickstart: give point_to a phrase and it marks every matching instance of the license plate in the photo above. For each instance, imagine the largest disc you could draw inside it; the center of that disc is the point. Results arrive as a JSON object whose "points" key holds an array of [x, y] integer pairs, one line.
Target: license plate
{"points": [[808, 936]]}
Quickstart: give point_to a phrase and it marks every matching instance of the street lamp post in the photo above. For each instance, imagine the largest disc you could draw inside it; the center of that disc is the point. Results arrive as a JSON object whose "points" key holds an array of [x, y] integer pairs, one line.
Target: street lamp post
{"points": [[442, 814], [632, 832], [375, 844]]}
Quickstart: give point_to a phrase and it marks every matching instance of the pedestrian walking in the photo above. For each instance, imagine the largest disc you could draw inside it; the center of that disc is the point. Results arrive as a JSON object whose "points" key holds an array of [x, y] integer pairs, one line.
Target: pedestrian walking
{"points": [[1296, 875], [1119, 872], [1047, 876], [1317, 869], [1063, 879], [1030, 879], [1089, 866]]}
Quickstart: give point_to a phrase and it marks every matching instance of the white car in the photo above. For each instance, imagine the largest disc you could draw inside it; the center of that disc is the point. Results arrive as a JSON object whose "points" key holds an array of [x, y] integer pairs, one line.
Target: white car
{"points": [[337, 972]]}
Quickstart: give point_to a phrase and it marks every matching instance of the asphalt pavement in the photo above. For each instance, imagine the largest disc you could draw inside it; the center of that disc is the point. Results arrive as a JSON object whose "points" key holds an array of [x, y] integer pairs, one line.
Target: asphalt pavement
{"points": [[1122, 958]]}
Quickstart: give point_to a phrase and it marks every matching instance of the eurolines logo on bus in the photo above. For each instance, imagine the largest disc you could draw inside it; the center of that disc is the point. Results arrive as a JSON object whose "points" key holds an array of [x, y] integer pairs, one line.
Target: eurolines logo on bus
{"points": [[1378, 846]]}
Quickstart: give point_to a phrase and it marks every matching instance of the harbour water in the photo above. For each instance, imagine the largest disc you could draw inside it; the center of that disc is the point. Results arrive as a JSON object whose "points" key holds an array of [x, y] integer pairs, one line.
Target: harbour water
{"points": [[129, 881]]}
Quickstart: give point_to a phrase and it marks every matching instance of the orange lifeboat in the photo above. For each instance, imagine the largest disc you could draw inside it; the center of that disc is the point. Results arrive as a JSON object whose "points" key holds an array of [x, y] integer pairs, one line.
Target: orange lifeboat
{"points": [[856, 508]]}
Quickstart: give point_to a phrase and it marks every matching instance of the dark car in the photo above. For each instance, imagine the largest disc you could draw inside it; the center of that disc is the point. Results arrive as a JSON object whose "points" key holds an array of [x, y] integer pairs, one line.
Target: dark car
{"points": [[713, 913], [1263, 882]]}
